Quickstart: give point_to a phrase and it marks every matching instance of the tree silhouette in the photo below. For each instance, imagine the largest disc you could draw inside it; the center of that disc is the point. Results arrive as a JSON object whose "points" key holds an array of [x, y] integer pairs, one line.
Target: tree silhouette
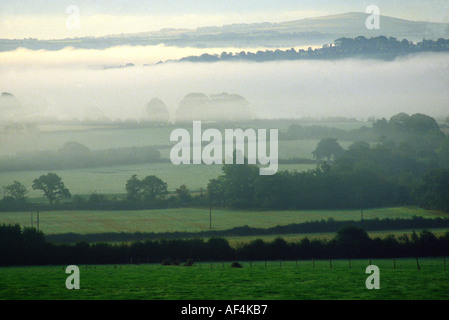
{"points": [[215, 191], [52, 186], [153, 187], [149, 189], [17, 191], [184, 194], [327, 148], [133, 188]]}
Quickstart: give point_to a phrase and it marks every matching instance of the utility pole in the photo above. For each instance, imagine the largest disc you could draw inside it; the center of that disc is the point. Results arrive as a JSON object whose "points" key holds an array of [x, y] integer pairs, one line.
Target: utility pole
{"points": [[37, 221], [361, 206], [210, 215]]}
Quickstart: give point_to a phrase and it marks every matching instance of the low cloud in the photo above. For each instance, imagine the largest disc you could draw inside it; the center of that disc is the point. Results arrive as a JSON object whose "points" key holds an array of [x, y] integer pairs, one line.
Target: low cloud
{"points": [[290, 89]]}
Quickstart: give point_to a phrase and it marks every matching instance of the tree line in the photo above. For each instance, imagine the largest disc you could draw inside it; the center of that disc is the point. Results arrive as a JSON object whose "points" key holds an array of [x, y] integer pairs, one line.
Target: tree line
{"points": [[375, 47], [74, 155], [147, 193], [29, 247], [382, 181], [241, 187], [321, 226], [378, 178], [407, 165]]}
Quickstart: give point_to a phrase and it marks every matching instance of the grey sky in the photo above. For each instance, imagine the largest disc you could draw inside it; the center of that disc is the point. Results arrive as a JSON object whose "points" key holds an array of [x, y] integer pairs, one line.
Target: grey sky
{"points": [[28, 18], [421, 9]]}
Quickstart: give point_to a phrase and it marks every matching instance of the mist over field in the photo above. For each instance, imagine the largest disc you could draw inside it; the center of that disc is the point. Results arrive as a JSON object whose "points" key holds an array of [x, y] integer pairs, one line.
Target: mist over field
{"points": [[306, 142], [73, 87]]}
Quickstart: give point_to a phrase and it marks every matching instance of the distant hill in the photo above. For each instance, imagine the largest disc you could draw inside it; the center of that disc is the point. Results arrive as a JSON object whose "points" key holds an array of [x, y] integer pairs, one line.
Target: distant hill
{"points": [[311, 31], [353, 24]]}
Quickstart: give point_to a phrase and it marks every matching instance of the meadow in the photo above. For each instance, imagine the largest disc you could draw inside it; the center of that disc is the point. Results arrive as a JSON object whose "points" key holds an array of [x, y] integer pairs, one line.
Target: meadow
{"points": [[272, 280], [192, 219], [112, 180], [54, 136]]}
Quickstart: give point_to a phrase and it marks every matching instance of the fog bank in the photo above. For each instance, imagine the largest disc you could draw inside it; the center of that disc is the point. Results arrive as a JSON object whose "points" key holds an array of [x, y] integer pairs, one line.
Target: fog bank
{"points": [[304, 88]]}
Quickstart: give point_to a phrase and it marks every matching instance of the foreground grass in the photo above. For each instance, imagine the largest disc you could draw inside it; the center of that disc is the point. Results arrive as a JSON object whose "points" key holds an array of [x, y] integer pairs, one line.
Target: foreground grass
{"points": [[192, 219], [288, 281]]}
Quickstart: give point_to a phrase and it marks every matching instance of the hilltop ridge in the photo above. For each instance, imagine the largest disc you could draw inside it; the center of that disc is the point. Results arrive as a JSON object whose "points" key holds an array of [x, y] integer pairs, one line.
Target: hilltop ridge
{"points": [[309, 31]]}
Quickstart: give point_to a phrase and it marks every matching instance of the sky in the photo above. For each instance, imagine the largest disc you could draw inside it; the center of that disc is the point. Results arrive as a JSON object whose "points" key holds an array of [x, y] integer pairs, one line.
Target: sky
{"points": [[48, 19]]}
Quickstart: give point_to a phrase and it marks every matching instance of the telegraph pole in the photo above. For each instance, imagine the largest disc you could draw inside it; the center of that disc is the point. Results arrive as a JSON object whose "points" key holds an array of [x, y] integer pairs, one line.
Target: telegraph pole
{"points": [[361, 206], [37, 221], [210, 215]]}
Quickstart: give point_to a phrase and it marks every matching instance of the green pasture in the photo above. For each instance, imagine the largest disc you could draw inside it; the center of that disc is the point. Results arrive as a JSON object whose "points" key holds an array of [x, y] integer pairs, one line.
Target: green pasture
{"points": [[53, 137], [191, 219], [112, 180], [273, 280]]}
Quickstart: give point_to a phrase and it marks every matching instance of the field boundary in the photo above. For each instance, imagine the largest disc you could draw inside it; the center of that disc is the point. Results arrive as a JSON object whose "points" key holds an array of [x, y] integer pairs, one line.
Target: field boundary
{"points": [[321, 226]]}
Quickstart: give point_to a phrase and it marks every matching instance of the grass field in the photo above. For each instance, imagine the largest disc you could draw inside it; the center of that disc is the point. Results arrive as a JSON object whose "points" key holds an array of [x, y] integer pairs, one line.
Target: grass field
{"points": [[103, 136], [112, 180], [192, 219], [290, 281]]}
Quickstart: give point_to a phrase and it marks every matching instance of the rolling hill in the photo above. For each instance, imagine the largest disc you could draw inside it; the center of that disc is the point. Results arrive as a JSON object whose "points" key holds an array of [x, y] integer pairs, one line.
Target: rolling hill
{"points": [[310, 31]]}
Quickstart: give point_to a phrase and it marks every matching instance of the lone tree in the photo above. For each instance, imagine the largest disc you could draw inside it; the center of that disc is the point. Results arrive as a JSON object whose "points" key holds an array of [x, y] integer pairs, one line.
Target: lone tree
{"points": [[17, 191], [52, 186], [327, 148]]}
